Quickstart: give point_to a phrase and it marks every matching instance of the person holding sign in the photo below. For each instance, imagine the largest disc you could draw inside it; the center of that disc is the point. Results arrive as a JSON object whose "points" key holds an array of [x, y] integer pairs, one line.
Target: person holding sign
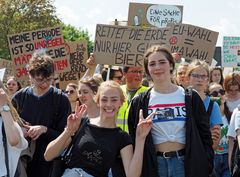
{"points": [[91, 153], [179, 143]]}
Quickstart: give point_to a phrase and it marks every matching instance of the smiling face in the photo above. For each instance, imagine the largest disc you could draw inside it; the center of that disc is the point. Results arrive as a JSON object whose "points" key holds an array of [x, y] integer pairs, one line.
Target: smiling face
{"points": [[159, 67], [85, 94], [109, 102]]}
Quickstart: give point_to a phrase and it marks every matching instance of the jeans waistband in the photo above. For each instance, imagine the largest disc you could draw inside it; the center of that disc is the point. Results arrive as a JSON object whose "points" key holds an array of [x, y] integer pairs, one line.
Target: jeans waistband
{"points": [[171, 154]]}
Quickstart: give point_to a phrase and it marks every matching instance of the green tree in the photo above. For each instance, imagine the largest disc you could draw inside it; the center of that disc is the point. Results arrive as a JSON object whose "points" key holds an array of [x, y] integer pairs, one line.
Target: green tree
{"points": [[24, 15], [17, 16], [70, 33]]}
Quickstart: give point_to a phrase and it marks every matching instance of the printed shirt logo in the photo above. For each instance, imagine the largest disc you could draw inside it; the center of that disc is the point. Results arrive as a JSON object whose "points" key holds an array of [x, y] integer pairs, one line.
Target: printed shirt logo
{"points": [[93, 156], [168, 112]]}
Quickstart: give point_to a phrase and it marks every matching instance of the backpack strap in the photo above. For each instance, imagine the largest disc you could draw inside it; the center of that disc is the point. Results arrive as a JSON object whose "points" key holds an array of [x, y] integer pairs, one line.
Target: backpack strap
{"points": [[210, 106], [22, 98], [4, 139]]}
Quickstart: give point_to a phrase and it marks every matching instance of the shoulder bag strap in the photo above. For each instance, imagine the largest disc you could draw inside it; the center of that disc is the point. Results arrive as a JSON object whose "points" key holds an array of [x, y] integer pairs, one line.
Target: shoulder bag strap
{"points": [[67, 153], [4, 139], [209, 110]]}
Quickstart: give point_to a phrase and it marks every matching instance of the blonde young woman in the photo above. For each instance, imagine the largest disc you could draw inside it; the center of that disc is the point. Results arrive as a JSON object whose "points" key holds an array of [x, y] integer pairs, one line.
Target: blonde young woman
{"points": [[198, 78], [14, 135], [92, 155]]}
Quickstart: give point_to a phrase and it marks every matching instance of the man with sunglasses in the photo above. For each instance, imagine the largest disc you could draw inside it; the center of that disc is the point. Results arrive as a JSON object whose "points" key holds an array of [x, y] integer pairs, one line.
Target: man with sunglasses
{"points": [[46, 119]]}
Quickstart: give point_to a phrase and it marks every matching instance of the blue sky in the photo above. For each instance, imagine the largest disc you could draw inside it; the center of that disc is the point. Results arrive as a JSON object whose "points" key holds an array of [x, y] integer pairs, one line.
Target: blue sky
{"points": [[218, 15]]}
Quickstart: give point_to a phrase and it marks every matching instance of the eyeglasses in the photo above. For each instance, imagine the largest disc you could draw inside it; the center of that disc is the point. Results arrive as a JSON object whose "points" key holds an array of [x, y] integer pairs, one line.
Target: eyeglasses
{"points": [[200, 76], [118, 77], [43, 80], [69, 92], [215, 93], [136, 72]]}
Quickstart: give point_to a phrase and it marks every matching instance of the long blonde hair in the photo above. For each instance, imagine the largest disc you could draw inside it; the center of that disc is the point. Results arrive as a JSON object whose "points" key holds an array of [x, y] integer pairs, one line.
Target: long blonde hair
{"points": [[13, 111]]}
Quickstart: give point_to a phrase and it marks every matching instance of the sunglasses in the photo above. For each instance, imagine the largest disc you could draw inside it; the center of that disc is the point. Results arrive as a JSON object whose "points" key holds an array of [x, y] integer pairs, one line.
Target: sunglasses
{"points": [[69, 91], [118, 77], [216, 93]]}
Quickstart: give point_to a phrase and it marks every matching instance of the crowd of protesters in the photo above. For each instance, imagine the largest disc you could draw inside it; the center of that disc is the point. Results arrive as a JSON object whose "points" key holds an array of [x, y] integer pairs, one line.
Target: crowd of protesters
{"points": [[163, 119]]}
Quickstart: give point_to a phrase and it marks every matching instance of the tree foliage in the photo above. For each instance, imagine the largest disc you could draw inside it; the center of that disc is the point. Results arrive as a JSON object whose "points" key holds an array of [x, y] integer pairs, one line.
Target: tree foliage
{"points": [[24, 15], [17, 16], [70, 33]]}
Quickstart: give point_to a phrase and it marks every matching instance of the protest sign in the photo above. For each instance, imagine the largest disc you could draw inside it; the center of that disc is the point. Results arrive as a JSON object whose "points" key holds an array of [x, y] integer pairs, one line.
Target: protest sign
{"points": [[149, 15], [218, 56], [23, 45], [125, 46], [231, 51], [9, 68], [192, 42], [78, 56], [2, 73]]}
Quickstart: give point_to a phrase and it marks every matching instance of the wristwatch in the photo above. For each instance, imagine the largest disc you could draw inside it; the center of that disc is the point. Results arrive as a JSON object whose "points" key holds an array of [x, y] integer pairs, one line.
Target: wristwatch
{"points": [[4, 108]]}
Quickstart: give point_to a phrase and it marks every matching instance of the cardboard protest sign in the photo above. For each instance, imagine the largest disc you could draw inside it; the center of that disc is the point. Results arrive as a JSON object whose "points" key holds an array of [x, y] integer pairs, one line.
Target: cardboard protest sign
{"points": [[7, 64], [78, 56], [193, 42], [231, 51], [149, 15], [23, 45], [125, 46]]}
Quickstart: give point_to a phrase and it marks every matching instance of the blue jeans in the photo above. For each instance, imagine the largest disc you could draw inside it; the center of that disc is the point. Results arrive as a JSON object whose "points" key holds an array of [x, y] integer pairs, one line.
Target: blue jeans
{"points": [[221, 168], [171, 167], [75, 172]]}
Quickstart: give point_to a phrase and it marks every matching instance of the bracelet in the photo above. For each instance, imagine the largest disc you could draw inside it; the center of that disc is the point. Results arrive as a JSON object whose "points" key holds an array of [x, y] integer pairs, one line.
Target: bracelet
{"points": [[45, 129]]}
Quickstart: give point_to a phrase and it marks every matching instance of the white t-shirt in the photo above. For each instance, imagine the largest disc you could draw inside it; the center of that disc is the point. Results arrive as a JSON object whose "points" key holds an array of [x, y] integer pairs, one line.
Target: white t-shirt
{"points": [[13, 153], [170, 119], [232, 104], [234, 123]]}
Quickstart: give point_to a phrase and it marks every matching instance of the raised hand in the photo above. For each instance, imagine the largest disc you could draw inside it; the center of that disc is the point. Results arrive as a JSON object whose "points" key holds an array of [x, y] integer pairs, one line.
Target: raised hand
{"points": [[91, 62], [177, 56], [144, 125], [3, 97], [73, 120]]}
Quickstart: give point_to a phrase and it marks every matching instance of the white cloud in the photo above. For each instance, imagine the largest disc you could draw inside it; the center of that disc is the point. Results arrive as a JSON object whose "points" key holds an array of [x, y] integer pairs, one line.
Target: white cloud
{"points": [[225, 27], [67, 15], [94, 12]]}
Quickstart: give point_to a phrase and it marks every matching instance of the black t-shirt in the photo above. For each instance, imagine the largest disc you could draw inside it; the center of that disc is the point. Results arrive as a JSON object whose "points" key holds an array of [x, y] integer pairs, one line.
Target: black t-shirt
{"points": [[97, 148]]}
